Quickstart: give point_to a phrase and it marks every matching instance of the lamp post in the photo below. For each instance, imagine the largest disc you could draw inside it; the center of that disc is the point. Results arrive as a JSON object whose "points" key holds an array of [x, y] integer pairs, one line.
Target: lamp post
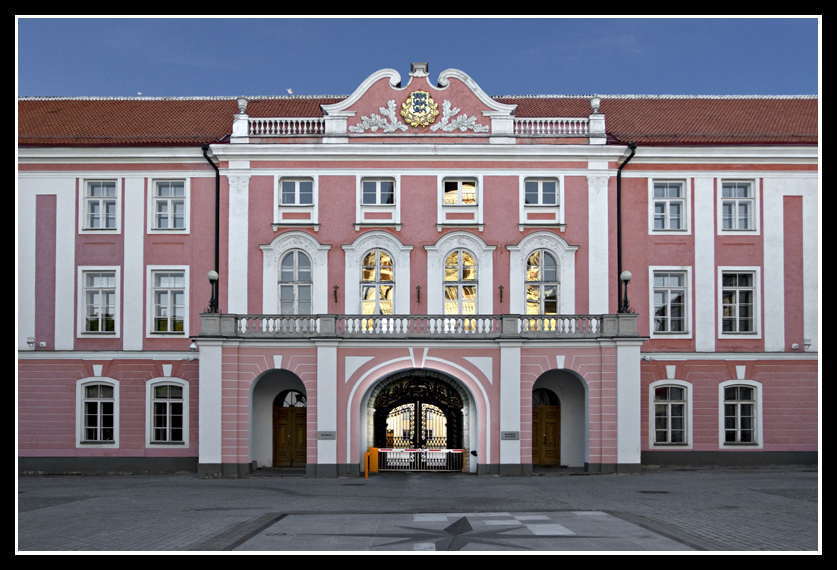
{"points": [[625, 277], [213, 281]]}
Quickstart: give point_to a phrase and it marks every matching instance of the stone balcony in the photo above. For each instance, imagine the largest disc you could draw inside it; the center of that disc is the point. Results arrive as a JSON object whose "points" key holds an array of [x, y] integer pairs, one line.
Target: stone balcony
{"points": [[419, 327]]}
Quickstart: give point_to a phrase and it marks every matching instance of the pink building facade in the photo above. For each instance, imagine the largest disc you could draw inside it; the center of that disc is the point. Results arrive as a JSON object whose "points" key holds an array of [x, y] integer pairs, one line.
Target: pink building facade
{"points": [[417, 248]]}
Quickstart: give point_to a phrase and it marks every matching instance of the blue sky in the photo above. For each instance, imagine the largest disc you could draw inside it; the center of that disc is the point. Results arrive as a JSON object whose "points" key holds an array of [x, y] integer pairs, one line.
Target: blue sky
{"points": [[520, 56]]}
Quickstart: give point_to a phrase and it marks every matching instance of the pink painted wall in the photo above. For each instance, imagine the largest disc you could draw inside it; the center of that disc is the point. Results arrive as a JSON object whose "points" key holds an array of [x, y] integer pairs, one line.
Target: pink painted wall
{"points": [[47, 406], [789, 399]]}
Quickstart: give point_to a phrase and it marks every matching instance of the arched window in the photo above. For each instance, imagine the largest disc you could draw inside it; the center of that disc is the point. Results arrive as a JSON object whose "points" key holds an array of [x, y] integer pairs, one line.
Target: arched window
{"points": [[99, 425], [740, 415], [295, 284], [669, 415], [377, 288], [167, 413], [460, 283], [541, 284]]}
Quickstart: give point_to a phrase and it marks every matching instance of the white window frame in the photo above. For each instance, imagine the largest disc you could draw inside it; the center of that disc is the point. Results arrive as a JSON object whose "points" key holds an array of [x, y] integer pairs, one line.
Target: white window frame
{"points": [[296, 282], [362, 209], [150, 441], [519, 255], [755, 210], [460, 283], [685, 199], [557, 209], [149, 287], [152, 206], [688, 323], [272, 255], [757, 296], [443, 209], [81, 398], [438, 253], [81, 312], [83, 227], [279, 207], [354, 254], [758, 431], [687, 430]]}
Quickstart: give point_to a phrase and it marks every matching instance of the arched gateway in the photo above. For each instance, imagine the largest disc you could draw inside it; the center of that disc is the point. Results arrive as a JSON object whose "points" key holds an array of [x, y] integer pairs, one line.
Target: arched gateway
{"points": [[423, 411]]}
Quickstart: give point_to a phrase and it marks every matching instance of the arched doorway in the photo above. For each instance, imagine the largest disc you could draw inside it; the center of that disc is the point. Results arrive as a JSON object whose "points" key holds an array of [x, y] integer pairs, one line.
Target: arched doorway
{"points": [[271, 389], [418, 409], [546, 428], [567, 390], [289, 423]]}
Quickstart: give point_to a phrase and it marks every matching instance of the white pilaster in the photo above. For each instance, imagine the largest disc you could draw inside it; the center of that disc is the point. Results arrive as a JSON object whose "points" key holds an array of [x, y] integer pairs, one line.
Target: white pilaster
{"points": [[210, 403], [628, 418], [133, 272], [327, 402], [510, 403], [774, 271], [704, 290], [238, 239], [598, 231]]}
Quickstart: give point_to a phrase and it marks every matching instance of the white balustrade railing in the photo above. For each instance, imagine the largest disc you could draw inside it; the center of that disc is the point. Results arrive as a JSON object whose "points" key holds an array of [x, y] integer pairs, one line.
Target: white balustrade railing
{"points": [[286, 126], [551, 126], [418, 326]]}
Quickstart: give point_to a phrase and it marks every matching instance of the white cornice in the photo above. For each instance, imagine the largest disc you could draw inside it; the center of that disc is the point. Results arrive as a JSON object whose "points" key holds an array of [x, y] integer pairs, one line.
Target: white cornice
{"points": [[340, 107], [58, 154], [725, 154], [500, 108], [748, 356], [104, 355]]}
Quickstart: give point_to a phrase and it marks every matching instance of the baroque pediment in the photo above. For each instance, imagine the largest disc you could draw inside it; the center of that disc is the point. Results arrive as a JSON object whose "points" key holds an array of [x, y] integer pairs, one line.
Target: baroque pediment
{"points": [[454, 105]]}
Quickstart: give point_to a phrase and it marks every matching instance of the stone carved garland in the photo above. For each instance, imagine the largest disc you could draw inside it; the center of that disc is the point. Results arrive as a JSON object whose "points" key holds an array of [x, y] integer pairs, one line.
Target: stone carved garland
{"points": [[462, 123], [374, 122]]}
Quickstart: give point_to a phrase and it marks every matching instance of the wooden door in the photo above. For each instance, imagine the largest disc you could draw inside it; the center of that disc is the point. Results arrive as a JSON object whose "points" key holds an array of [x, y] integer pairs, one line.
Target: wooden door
{"points": [[289, 440], [546, 435]]}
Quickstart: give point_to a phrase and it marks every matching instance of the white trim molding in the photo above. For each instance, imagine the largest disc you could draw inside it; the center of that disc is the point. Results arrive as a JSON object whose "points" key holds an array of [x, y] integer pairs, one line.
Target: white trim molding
{"points": [[150, 270], [149, 412], [756, 333], [758, 415], [80, 399], [273, 253], [436, 255], [565, 255], [685, 198], [354, 254], [687, 305], [688, 393], [311, 210]]}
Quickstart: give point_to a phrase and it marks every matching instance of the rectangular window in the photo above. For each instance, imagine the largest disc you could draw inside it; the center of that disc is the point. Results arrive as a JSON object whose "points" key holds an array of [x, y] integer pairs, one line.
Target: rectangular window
{"points": [[669, 206], [169, 294], [670, 304], [100, 205], [98, 413], [170, 205], [737, 206], [541, 193], [297, 192], [100, 302], [378, 193], [669, 415], [460, 192], [168, 414], [738, 302]]}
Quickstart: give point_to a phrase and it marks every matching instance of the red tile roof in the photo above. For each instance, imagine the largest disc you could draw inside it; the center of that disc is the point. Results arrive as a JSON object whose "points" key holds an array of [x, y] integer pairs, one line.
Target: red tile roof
{"points": [[655, 120]]}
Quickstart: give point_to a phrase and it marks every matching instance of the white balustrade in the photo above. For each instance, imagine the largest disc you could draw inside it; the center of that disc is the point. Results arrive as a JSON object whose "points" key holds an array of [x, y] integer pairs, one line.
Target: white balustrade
{"points": [[551, 126], [286, 126]]}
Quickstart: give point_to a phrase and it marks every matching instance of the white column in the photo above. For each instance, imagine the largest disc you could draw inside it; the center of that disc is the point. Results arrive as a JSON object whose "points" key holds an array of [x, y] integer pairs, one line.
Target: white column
{"points": [[598, 232], [810, 262], [210, 403], [238, 239], [704, 232], [327, 403], [628, 418], [509, 403], [133, 269]]}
